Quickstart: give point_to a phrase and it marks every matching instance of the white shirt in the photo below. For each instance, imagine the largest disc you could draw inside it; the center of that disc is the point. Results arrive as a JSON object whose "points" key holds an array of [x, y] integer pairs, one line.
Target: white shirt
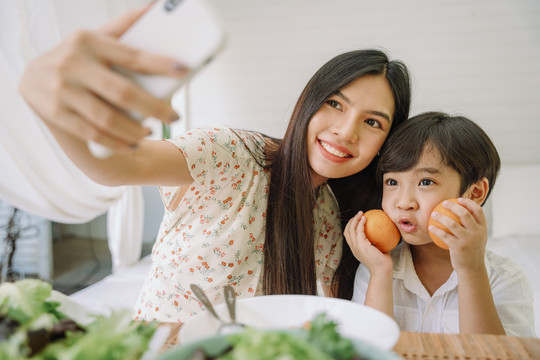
{"points": [[415, 310]]}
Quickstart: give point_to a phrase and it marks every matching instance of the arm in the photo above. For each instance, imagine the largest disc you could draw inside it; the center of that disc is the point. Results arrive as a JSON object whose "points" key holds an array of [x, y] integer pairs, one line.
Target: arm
{"points": [[379, 293], [73, 88], [153, 162], [75, 92], [477, 312]]}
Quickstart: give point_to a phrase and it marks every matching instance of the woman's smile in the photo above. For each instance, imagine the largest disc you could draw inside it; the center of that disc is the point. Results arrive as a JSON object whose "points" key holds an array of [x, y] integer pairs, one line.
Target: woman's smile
{"points": [[334, 152]]}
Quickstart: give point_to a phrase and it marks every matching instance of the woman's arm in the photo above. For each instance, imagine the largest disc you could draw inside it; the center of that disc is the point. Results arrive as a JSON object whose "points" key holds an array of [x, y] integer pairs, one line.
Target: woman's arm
{"points": [[73, 88], [79, 97], [152, 162]]}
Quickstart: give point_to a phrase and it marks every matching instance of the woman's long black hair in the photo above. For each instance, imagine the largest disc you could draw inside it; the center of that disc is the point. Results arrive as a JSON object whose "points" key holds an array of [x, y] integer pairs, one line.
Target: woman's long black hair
{"points": [[289, 264]]}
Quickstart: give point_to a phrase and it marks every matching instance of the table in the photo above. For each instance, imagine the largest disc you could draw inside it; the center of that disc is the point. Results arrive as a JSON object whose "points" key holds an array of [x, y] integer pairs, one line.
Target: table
{"points": [[426, 346]]}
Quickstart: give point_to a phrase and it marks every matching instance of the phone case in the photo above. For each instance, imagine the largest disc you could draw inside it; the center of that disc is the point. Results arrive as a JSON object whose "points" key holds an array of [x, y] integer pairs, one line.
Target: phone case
{"points": [[187, 30]]}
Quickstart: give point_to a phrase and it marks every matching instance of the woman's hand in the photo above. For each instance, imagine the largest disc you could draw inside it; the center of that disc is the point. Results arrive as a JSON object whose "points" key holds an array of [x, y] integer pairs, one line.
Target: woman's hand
{"points": [[363, 250], [468, 244], [73, 88]]}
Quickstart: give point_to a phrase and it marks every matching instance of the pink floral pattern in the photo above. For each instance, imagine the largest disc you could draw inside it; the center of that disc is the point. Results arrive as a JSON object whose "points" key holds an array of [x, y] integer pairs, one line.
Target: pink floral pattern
{"points": [[216, 234]]}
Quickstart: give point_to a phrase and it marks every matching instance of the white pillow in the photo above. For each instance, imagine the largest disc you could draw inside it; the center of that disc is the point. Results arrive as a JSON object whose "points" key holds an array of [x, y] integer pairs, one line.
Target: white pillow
{"points": [[515, 201]]}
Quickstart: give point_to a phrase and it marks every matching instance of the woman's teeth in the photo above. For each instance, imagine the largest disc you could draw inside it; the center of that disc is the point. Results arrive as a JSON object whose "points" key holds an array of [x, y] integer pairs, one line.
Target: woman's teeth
{"points": [[333, 151]]}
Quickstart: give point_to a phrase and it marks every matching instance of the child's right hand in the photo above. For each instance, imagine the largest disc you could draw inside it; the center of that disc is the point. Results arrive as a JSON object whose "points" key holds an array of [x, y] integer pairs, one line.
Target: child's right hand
{"points": [[363, 249]]}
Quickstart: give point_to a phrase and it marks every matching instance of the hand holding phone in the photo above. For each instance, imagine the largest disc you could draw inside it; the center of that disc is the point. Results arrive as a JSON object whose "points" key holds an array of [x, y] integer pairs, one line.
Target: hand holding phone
{"points": [[188, 30]]}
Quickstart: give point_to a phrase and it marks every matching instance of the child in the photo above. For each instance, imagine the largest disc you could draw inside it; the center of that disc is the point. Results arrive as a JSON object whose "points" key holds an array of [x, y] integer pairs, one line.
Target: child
{"points": [[434, 157]]}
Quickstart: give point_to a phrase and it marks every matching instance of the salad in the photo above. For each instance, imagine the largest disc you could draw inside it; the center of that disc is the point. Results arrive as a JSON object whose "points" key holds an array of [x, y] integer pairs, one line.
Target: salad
{"points": [[31, 327], [319, 339]]}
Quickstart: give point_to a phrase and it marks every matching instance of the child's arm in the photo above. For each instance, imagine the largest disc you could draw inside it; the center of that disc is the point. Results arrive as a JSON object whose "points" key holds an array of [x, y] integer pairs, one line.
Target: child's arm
{"points": [[477, 312], [379, 293]]}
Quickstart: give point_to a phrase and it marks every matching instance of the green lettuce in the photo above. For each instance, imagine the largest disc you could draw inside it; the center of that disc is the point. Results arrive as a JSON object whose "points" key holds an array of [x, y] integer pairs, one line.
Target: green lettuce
{"points": [[26, 302], [321, 341], [25, 309], [113, 337]]}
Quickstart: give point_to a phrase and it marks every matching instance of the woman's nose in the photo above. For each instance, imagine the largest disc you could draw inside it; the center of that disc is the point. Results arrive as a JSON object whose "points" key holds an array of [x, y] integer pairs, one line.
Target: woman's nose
{"points": [[347, 130]]}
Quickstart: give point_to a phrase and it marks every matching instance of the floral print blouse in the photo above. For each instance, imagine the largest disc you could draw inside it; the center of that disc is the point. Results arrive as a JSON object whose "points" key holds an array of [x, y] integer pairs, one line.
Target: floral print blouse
{"points": [[215, 236]]}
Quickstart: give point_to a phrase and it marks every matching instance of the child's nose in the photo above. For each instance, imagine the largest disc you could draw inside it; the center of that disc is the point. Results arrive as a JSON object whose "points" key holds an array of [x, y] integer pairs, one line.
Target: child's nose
{"points": [[406, 202]]}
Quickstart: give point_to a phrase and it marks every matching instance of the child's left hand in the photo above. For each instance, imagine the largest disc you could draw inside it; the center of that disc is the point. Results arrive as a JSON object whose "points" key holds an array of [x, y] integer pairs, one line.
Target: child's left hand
{"points": [[468, 244]]}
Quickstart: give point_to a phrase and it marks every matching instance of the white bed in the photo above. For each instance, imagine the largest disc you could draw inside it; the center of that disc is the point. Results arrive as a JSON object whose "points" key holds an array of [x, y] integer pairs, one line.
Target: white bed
{"points": [[119, 290], [512, 211]]}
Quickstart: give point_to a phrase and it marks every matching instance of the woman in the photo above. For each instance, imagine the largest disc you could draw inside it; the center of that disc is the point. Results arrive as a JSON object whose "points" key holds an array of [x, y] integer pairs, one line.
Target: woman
{"points": [[230, 194]]}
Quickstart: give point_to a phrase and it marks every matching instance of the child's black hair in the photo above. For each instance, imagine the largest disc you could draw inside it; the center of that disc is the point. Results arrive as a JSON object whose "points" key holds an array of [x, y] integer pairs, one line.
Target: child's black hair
{"points": [[462, 145]]}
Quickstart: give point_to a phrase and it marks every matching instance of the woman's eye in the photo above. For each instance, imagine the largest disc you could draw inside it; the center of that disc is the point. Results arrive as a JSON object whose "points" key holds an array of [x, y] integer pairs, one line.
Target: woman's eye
{"points": [[334, 104], [426, 182], [374, 123]]}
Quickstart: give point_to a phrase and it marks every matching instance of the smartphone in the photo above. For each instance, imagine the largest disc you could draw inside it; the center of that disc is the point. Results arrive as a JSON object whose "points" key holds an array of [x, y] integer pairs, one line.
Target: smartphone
{"points": [[188, 30]]}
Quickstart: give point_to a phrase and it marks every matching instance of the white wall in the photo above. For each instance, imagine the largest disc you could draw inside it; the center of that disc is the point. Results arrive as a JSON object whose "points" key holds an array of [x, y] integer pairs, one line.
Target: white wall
{"points": [[479, 58]]}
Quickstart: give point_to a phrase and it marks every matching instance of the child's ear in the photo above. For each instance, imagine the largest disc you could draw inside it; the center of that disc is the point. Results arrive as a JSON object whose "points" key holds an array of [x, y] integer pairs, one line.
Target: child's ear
{"points": [[478, 191]]}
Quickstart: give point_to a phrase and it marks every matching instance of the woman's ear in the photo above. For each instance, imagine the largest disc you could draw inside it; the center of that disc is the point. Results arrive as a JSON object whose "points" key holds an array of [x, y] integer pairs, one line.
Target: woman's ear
{"points": [[478, 191]]}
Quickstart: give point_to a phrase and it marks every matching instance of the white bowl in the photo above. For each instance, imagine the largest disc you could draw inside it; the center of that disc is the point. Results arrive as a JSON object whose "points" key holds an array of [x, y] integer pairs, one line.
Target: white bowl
{"points": [[354, 320]]}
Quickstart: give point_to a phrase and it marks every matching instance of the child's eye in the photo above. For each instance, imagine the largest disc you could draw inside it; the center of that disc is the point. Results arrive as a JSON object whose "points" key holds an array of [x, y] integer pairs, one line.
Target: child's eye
{"points": [[374, 123], [426, 182], [334, 104], [390, 182]]}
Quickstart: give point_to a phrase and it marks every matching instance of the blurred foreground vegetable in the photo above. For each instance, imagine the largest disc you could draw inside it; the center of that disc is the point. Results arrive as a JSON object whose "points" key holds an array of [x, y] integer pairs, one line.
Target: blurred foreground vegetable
{"points": [[31, 327], [319, 340]]}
